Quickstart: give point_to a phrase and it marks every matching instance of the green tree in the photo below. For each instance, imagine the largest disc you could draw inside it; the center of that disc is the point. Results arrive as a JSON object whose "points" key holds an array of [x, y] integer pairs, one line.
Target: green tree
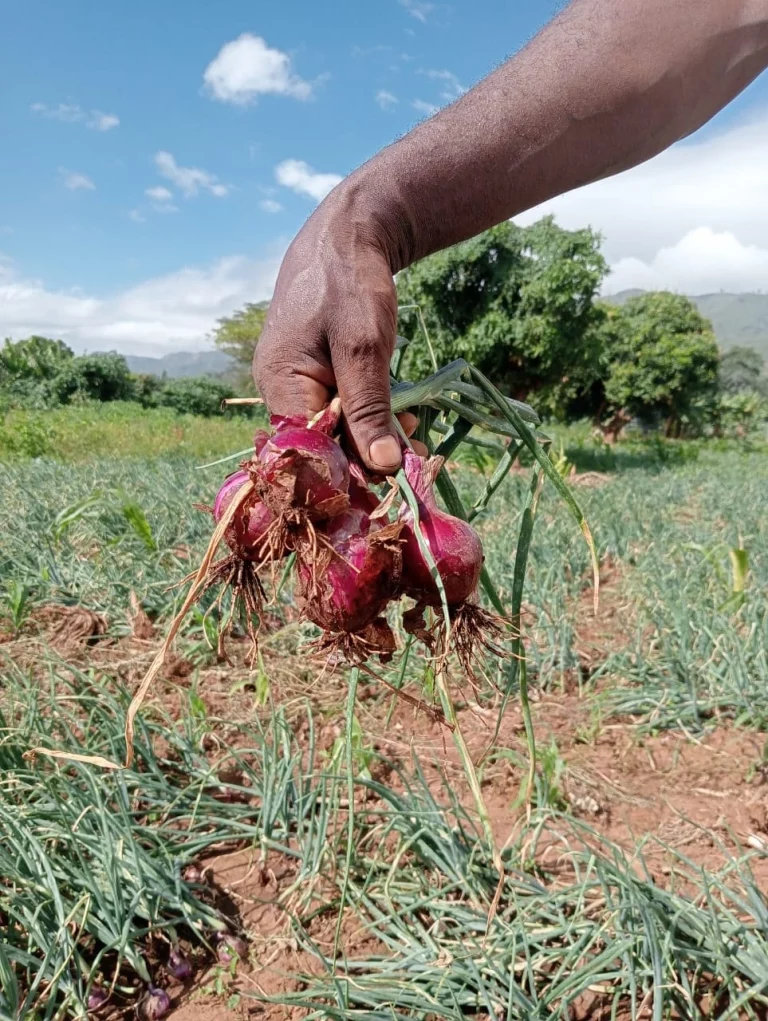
{"points": [[28, 369], [237, 335], [97, 377], [518, 302], [37, 358], [194, 395], [660, 361]]}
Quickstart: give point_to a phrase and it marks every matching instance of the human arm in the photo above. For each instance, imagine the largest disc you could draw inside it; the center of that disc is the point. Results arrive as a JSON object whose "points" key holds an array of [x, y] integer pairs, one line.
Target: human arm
{"points": [[605, 86]]}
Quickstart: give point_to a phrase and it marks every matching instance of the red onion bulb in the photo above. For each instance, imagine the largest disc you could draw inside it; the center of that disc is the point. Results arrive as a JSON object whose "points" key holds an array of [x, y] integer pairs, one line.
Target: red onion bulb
{"points": [[355, 578], [231, 948], [454, 544], [156, 1004], [251, 521], [178, 964], [97, 998], [320, 467]]}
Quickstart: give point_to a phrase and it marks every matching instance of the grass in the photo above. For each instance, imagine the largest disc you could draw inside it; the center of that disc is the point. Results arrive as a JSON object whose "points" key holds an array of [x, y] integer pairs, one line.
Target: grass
{"points": [[121, 430], [93, 862], [93, 890], [91, 533]]}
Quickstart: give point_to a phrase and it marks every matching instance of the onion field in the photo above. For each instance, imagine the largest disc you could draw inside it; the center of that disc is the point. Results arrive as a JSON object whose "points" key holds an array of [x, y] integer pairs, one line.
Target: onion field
{"points": [[295, 839]]}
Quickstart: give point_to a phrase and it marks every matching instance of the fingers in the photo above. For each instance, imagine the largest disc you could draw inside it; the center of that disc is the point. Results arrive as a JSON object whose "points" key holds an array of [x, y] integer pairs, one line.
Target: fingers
{"points": [[299, 384], [409, 424], [362, 380]]}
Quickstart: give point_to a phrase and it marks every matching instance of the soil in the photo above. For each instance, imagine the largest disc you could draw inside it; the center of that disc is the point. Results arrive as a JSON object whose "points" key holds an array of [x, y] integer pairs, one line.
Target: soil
{"points": [[704, 796]]}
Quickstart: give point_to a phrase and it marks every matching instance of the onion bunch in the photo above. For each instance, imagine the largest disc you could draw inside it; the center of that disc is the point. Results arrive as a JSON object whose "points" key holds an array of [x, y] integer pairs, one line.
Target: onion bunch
{"points": [[301, 493], [297, 478]]}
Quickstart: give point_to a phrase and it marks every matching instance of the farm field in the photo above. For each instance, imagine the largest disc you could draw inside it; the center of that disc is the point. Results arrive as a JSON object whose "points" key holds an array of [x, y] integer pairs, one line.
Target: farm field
{"points": [[355, 870]]}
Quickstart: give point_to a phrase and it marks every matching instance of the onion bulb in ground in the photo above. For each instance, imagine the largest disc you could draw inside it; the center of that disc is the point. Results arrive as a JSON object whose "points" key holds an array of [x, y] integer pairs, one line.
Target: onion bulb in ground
{"points": [[231, 948], [179, 965], [97, 998], [354, 572], [156, 1004], [458, 555], [193, 874]]}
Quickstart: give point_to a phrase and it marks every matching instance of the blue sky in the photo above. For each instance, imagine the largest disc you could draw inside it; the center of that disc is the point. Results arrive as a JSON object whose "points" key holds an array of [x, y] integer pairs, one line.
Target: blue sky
{"points": [[158, 157]]}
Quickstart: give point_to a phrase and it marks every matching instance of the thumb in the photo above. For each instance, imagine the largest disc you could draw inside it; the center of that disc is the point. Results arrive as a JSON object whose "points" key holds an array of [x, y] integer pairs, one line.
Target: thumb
{"points": [[361, 367]]}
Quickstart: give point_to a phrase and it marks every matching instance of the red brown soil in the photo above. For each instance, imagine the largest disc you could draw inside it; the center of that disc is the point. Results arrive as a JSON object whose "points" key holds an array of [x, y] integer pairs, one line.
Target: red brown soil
{"points": [[703, 796]]}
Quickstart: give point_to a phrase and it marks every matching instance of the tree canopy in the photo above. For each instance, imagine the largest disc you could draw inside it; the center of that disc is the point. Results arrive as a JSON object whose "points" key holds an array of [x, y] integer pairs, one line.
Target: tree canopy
{"points": [[518, 302], [36, 358], [39, 373], [660, 360], [97, 377], [237, 335]]}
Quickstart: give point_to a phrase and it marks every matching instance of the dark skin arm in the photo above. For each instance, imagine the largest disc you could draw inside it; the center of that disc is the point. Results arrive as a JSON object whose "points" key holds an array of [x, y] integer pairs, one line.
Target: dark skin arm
{"points": [[605, 86]]}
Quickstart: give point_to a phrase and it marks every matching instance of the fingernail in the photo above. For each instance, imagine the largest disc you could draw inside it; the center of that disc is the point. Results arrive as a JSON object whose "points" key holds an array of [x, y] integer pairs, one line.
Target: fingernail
{"points": [[384, 452]]}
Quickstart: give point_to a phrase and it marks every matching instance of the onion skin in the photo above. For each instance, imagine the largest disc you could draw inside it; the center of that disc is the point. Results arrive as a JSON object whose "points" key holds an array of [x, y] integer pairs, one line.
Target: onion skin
{"points": [[350, 585], [97, 998], [156, 1005], [454, 544], [260, 437], [356, 520], [251, 521], [231, 485], [178, 964], [231, 948], [315, 460]]}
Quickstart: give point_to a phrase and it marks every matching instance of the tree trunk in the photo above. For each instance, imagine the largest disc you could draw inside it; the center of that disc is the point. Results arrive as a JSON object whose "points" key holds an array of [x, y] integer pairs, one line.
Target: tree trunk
{"points": [[611, 431]]}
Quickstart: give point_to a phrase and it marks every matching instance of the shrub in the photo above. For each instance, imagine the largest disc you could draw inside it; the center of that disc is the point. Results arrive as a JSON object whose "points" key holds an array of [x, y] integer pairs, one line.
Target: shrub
{"points": [[98, 377], [198, 395]]}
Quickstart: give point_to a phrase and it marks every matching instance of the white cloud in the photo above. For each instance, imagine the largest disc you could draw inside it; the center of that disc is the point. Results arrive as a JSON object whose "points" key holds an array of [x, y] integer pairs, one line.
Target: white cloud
{"points": [[426, 108], [299, 176], [160, 200], [702, 262], [386, 100], [247, 68], [418, 9], [189, 180], [74, 181], [103, 121], [159, 194], [72, 114], [270, 206], [63, 112], [451, 86], [717, 181], [175, 312]]}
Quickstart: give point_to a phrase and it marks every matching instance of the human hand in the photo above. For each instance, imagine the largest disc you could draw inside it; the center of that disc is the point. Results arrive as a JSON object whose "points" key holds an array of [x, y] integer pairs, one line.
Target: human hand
{"points": [[331, 328]]}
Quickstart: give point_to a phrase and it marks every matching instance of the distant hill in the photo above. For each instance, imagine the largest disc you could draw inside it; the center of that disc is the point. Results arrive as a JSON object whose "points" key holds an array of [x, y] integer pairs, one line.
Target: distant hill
{"points": [[183, 363], [739, 320]]}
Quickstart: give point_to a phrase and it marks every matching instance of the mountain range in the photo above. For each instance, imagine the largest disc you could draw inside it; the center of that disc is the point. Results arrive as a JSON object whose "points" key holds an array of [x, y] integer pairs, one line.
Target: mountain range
{"points": [[182, 363], [737, 319]]}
